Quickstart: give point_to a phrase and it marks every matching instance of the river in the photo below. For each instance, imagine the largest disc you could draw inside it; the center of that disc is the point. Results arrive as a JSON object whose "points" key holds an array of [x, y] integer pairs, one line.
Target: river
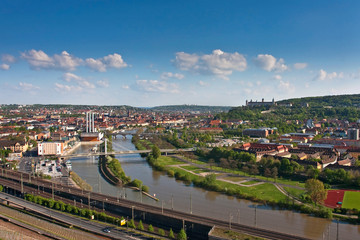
{"points": [[176, 194]]}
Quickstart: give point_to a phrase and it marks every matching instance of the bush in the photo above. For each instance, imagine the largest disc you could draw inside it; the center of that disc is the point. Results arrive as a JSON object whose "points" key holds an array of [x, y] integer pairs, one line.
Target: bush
{"points": [[182, 235], [151, 228], [161, 232], [132, 224], [171, 234], [136, 183], [140, 226], [145, 188], [170, 173]]}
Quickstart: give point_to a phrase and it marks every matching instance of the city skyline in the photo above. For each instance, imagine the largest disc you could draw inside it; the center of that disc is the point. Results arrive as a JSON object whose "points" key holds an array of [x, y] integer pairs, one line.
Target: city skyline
{"points": [[177, 52]]}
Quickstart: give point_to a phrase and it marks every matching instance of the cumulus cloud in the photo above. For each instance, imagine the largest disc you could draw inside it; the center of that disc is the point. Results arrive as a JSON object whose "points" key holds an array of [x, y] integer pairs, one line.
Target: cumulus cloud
{"points": [[40, 60], [167, 75], [8, 58], [323, 75], [270, 63], [277, 77], [217, 63], [286, 86], [23, 86], [126, 87], [67, 88], [202, 83], [103, 83], [81, 82], [110, 61], [157, 86], [4, 66], [299, 66]]}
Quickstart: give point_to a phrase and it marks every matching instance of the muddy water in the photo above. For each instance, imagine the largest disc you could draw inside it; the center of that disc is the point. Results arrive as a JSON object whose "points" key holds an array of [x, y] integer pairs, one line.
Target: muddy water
{"points": [[175, 194]]}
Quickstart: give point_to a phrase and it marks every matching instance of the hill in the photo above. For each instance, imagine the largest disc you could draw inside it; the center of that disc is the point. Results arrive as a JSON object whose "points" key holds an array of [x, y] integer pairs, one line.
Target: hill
{"points": [[191, 108]]}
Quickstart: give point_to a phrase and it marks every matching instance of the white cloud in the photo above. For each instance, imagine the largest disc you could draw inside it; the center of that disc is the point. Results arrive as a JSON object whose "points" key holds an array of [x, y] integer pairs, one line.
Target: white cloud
{"points": [[40, 60], [81, 82], [96, 64], [277, 77], [202, 83], [157, 86], [4, 66], [125, 87], [67, 88], [26, 86], [103, 83], [286, 86], [323, 75], [299, 66], [167, 75], [8, 58], [217, 63], [110, 61], [270, 63]]}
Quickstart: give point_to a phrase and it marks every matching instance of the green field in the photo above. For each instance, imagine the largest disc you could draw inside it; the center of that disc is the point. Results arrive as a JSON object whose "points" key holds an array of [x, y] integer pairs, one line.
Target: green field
{"points": [[351, 200]]}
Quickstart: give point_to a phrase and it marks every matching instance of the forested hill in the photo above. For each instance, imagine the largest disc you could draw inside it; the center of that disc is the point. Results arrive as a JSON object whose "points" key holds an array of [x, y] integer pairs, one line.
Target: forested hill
{"points": [[344, 107], [191, 108], [334, 101]]}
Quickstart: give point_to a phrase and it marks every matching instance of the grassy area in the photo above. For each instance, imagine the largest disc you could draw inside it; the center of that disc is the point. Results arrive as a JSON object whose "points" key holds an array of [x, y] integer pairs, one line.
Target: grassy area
{"points": [[165, 161], [228, 234], [190, 168], [266, 191], [234, 179], [279, 180], [294, 191], [80, 182], [201, 171], [249, 182], [351, 200]]}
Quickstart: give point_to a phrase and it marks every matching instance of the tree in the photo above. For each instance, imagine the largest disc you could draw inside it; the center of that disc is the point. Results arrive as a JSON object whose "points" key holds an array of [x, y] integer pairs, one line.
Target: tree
{"points": [[151, 228], [140, 226], [274, 173], [155, 152], [267, 172], [315, 189], [171, 234], [182, 235], [161, 232]]}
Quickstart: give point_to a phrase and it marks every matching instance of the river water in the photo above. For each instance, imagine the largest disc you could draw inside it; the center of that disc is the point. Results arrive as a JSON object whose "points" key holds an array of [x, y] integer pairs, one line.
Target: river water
{"points": [[175, 194]]}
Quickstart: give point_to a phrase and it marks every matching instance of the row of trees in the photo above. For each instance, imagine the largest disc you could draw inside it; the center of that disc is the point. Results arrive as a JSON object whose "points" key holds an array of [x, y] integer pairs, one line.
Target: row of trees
{"points": [[101, 216]]}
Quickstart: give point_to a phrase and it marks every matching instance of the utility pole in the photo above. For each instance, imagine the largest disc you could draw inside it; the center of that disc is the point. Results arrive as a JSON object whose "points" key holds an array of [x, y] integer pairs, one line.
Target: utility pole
{"points": [[89, 200], [52, 192], [162, 207], [172, 202], [230, 217], [190, 204], [132, 212], [74, 202], [337, 230], [22, 184], [239, 216], [255, 215]]}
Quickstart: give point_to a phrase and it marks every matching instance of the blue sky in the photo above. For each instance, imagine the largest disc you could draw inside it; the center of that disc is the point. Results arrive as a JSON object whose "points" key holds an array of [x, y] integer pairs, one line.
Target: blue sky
{"points": [[150, 53]]}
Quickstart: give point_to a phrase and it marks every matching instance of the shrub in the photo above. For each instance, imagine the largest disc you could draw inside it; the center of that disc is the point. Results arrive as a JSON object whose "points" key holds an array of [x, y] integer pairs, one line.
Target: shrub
{"points": [[151, 228], [161, 232], [132, 224], [171, 234], [182, 235], [140, 226]]}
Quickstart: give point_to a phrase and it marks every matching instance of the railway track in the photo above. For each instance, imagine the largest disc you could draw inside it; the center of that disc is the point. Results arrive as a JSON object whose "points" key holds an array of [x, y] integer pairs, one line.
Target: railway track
{"points": [[26, 183]]}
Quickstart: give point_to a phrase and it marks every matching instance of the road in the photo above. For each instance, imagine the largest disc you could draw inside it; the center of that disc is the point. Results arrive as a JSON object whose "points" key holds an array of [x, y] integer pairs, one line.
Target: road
{"points": [[75, 221]]}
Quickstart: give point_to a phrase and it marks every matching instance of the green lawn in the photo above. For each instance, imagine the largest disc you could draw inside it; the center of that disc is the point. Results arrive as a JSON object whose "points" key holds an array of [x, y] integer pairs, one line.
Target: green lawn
{"points": [[294, 191], [351, 200], [165, 161], [249, 182], [190, 168]]}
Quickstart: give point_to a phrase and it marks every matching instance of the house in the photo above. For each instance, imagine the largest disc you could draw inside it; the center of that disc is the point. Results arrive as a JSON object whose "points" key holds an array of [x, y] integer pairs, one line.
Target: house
{"points": [[14, 145]]}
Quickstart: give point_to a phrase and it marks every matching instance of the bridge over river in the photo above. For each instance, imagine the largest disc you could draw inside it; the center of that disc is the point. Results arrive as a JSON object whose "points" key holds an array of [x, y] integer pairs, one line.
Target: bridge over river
{"points": [[127, 152]]}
